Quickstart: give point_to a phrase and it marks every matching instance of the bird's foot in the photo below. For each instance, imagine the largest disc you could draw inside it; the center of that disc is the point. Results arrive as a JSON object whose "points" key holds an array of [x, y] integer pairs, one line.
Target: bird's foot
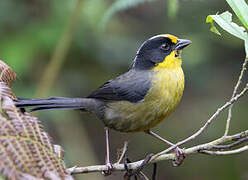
{"points": [[180, 156], [135, 172], [109, 169]]}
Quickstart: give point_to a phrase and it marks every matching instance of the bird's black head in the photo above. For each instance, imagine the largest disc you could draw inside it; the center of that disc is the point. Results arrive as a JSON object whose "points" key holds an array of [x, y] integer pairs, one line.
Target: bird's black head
{"points": [[155, 50]]}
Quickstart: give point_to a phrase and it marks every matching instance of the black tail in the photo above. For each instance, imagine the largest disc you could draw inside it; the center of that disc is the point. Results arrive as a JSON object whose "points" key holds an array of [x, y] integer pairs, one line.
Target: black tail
{"points": [[54, 103]]}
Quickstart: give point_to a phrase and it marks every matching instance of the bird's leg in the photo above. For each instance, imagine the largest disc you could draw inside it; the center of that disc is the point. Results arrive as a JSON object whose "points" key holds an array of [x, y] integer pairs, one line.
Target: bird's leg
{"points": [[180, 156], [108, 164]]}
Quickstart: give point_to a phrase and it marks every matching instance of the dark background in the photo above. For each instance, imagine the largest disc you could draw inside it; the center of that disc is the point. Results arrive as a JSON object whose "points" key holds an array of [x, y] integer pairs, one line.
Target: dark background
{"points": [[30, 31]]}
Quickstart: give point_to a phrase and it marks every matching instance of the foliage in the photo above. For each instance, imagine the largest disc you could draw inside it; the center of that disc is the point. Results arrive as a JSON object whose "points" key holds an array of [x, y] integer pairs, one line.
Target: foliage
{"points": [[241, 10], [224, 20], [26, 150]]}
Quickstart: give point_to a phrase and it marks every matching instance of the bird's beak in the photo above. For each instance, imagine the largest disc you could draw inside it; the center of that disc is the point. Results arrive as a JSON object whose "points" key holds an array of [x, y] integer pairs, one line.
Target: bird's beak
{"points": [[182, 43]]}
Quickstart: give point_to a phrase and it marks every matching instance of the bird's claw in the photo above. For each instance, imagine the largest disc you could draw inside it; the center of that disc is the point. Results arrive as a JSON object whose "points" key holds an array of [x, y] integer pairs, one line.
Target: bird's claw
{"points": [[137, 172], [180, 156], [109, 169]]}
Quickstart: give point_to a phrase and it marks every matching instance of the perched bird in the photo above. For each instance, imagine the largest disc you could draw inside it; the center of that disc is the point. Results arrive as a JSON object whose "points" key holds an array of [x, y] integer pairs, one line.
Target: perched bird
{"points": [[137, 100]]}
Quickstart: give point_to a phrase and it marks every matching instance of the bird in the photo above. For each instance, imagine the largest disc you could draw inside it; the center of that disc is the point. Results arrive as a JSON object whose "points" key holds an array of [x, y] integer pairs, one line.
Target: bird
{"points": [[137, 100]]}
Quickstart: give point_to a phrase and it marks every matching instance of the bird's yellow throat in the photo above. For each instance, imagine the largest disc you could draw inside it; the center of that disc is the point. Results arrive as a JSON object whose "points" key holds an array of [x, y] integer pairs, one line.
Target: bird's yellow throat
{"points": [[173, 60]]}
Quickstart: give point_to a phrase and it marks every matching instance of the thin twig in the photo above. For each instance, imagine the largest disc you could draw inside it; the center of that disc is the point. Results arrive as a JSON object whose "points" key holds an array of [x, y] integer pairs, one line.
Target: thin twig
{"points": [[234, 93], [123, 152], [236, 151], [144, 176], [228, 146]]}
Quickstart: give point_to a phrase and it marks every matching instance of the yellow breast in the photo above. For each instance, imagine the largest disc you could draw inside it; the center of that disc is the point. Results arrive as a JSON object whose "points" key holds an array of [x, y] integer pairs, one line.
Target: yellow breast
{"points": [[165, 94]]}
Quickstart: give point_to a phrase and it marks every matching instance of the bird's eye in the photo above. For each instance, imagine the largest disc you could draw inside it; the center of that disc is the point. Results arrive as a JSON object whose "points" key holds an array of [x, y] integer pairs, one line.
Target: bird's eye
{"points": [[165, 47]]}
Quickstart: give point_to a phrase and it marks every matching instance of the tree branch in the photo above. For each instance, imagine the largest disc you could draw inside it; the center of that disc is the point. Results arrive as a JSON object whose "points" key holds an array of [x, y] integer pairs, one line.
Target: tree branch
{"points": [[203, 148]]}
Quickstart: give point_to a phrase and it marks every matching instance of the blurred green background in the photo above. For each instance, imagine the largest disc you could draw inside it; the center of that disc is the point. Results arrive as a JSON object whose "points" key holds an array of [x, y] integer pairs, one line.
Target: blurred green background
{"points": [[103, 47]]}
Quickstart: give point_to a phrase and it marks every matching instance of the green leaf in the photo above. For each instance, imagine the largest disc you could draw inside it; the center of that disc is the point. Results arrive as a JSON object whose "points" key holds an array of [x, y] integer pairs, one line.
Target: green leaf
{"points": [[241, 10], [224, 20], [213, 28], [117, 6], [172, 8]]}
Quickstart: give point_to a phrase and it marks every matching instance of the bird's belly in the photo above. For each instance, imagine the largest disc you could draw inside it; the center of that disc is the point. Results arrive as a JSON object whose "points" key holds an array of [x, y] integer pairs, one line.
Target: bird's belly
{"points": [[162, 98], [127, 117]]}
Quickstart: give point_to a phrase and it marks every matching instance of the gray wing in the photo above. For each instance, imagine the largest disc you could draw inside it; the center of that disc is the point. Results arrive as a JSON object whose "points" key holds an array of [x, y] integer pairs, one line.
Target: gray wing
{"points": [[131, 86]]}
